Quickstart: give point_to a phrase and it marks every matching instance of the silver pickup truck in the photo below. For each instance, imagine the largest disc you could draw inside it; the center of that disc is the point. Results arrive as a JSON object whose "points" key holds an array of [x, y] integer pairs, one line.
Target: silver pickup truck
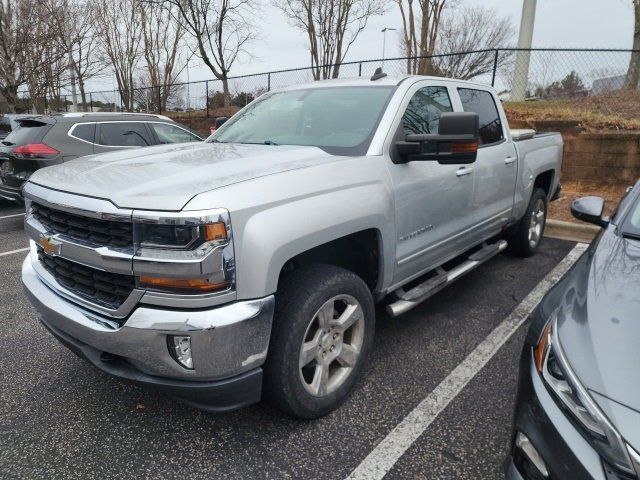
{"points": [[247, 267]]}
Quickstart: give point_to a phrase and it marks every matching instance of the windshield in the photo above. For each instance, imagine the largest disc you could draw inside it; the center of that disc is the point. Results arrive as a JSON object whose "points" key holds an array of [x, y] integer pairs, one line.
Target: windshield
{"points": [[340, 120], [631, 226]]}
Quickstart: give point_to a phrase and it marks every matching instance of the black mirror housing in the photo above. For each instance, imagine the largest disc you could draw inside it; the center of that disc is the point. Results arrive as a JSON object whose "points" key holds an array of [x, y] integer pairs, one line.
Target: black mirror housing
{"points": [[455, 143], [589, 209], [220, 121]]}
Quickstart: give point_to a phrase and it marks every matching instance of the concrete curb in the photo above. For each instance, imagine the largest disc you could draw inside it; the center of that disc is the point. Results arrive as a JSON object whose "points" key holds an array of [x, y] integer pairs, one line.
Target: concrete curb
{"points": [[575, 232]]}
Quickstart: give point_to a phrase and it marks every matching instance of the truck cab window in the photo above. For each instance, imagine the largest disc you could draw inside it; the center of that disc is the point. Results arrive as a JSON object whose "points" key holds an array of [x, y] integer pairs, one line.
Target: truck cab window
{"points": [[423, 112], [482, 103]]}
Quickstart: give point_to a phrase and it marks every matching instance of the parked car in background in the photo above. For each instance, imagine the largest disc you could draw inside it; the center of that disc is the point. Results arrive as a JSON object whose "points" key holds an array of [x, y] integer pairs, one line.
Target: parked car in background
{"points": [[577, 414], [202, 269], [9, 122], [43, 141]]}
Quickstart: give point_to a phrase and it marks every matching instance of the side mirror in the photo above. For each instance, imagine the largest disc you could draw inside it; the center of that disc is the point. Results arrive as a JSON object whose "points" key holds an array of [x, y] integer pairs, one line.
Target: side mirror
{"points": [[455, 143], [590, 209], [220, 121]]}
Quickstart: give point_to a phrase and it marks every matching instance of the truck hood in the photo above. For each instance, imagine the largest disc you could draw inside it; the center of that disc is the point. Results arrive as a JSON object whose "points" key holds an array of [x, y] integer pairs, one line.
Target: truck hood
{"points": [[599, 326], [166, 177]]}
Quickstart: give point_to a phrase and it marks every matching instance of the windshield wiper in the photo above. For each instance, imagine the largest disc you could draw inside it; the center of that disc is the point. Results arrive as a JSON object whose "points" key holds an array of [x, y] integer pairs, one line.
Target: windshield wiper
{"points": [[270, 142]]}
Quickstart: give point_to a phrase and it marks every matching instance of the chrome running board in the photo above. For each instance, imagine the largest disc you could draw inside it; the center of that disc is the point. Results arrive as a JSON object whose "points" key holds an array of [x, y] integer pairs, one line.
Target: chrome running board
{"points": [[418, 294]]}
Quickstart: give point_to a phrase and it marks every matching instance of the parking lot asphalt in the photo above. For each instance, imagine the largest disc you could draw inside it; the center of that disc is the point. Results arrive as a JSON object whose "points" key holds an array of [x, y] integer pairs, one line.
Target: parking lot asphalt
{"points": [[60, 417]]}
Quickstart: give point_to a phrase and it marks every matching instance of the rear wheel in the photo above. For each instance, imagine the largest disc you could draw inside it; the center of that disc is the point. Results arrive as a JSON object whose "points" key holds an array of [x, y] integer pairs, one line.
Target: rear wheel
{"points": [[322, 333], [525, 237]]}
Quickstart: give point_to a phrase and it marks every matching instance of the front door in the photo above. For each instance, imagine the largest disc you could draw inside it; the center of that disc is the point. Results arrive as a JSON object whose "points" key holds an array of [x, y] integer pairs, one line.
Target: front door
{"points": [[432, 201]]}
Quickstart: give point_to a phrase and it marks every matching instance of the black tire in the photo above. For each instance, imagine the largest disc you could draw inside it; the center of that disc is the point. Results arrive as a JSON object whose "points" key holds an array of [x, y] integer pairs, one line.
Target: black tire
{"points": [[298, 301], [518, 235]]}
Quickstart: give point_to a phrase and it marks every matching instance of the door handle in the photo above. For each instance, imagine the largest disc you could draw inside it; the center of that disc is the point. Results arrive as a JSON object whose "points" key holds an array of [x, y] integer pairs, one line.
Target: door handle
{"points": [[509, 160], [462, 171]]}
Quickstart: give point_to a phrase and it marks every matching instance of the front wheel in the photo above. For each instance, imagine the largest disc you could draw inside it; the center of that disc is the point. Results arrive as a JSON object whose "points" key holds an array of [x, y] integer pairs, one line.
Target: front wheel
{"points": [[322, 333], [525, 236]]}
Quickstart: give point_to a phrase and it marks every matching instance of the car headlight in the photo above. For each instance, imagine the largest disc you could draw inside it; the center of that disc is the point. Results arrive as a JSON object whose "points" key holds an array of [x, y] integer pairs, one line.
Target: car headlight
{"points": [[179, 237], [185, 252], [552, 363]]}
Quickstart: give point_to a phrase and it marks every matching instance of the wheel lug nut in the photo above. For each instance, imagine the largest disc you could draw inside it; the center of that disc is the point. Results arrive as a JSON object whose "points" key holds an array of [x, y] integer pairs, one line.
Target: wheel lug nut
{"points": [[324, 353], [335, 335]]}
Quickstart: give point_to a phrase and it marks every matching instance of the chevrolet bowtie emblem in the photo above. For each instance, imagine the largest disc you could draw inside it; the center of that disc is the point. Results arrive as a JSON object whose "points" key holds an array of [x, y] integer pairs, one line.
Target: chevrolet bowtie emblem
{"points": [[49, 245]]}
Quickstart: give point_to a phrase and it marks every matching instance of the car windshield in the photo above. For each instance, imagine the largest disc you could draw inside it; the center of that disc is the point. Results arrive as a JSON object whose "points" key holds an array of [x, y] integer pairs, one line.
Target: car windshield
{"points": [[340, 120], [631, 226]]}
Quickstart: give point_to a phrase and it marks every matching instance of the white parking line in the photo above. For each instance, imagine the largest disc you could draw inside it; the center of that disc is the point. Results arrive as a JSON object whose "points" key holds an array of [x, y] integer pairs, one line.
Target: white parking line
{"points": [[13, 216], [395, 444], [11, 252]]}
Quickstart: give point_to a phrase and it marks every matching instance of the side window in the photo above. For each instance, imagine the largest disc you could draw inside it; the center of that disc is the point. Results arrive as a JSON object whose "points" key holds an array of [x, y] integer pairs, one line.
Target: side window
{"points": [[124, 134], [168, 133], [482, 103], [424, 109], [84, 131]]}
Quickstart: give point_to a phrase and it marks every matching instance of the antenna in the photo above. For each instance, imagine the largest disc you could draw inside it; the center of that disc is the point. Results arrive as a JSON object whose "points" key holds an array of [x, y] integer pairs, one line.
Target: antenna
{"points": [[378, 74]]}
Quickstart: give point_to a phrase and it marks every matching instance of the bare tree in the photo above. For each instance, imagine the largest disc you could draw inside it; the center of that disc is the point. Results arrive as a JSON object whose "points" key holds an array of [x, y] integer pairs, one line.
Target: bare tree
{"points": [[120, 33], [73, 22], [22, 37], [471, 29], [421, 22], [162, 39], [220, 30], [331, 26], [632, 79]]}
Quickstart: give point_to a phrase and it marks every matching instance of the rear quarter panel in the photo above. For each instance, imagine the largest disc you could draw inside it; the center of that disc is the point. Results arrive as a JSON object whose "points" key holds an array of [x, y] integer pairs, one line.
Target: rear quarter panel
{"points": [[536, 156]]}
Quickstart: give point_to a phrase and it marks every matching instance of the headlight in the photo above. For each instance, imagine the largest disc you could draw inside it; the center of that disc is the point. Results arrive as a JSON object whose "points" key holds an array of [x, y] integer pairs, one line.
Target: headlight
{"points": [[185, 252], [179, 237], [552, 363]]}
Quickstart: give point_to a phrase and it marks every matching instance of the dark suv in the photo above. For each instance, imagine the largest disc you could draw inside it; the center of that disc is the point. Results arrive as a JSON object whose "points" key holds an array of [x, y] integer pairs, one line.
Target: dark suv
{"points": [[41, 141]]}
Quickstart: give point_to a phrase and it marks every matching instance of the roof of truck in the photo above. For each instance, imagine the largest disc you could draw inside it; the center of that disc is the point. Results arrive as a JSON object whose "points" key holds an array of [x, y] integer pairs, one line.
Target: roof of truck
{"points": [[389, 80]]}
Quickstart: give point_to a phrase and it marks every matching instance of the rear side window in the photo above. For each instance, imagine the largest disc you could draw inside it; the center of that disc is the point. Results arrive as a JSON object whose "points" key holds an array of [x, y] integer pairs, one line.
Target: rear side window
{"points": [[423, 112], [482, 103], [5, 127], [29, 131], [124, 134], [168, 133], [84, 131]]}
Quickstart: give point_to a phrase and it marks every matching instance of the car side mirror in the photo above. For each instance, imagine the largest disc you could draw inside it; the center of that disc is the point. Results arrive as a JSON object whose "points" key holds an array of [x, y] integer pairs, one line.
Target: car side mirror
{"points": [[455, 143], [220, 121], [590, 209]]}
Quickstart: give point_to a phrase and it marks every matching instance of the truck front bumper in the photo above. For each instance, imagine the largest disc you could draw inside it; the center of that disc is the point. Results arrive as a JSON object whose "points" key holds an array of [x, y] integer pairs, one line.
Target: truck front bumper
{"points": [[228, 343]]}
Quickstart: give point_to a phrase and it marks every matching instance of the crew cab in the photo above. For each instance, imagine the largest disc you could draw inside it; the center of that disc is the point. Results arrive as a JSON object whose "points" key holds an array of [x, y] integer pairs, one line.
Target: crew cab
{"points": [[247, 266]]}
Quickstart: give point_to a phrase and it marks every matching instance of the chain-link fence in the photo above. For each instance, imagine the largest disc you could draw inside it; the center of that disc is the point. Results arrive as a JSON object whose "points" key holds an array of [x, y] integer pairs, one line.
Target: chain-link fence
{"points": [[570, 79]]}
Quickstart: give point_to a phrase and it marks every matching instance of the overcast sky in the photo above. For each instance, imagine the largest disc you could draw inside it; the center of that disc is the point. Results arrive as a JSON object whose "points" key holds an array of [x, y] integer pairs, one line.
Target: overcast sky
{"points": [[559, 23]]}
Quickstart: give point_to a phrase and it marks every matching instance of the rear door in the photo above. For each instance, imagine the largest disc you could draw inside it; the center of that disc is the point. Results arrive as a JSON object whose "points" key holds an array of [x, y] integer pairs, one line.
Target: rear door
{"points": [[496, 166], [121, 135]]}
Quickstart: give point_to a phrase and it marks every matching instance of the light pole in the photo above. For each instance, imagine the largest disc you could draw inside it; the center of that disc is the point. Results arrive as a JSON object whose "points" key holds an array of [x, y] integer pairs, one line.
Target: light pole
{"points": [[521, 70], [384, 40]]}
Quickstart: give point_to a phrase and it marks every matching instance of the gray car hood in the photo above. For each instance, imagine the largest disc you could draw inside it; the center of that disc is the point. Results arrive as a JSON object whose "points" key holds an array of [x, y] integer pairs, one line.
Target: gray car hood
{"points": [[166, 177], [599, 324]]}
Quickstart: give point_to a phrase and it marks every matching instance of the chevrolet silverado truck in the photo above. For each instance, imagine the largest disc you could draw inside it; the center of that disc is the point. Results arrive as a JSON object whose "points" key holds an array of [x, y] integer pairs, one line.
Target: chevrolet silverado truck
{"points": [[247, 267]]}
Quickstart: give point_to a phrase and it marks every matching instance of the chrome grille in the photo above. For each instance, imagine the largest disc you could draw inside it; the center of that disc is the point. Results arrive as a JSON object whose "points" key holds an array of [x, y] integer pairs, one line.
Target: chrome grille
{"points": [[100, 232], [103, 288]]}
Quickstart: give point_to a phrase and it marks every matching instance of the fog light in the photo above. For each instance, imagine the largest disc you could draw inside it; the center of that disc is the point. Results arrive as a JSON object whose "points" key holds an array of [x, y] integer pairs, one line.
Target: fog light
{"points": [[180, 350], [532, 455]]}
